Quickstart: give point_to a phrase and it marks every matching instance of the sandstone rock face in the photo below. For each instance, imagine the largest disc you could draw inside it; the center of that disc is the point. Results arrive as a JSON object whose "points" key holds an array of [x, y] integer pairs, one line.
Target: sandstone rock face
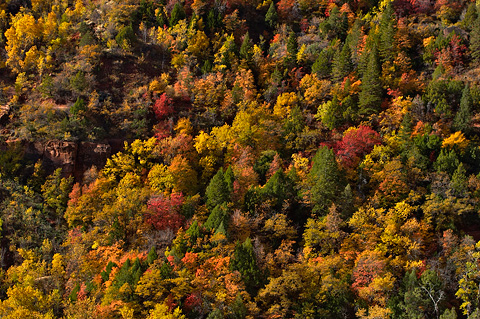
{"points": [[74, 158], [61, 154]]}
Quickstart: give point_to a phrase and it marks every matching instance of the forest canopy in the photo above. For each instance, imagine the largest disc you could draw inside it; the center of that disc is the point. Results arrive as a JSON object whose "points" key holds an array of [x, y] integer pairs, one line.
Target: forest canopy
{"points": [[239, 159]]}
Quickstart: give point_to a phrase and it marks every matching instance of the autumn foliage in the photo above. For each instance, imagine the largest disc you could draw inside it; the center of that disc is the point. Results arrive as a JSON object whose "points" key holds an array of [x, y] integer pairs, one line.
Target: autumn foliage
{"points": [[164, 212], [239, 159]]}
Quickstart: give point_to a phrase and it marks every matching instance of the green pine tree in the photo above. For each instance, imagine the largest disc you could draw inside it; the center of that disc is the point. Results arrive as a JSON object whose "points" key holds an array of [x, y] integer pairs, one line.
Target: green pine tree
{"points": [[387, 34], [239, 311], [218, 216], [193, 232], [450, 314], [152, 255], [342, 63], [215, 314], [278, 189], [217, 191], [126, 38], [462, 119], [245, 262], [271, 17], [229, 178], [324, 180], [447, 161], [322, 65], [221, 229], [470, 16], [292, 49], [370, 97], [459, 181], [178, 13], [475, 41], [246, 48]]}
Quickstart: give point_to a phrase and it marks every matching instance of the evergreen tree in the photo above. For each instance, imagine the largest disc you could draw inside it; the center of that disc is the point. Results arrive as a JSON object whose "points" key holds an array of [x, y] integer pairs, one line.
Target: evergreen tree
{"points": [[166, 271], [215, 314], [475, 41], [211, 20], [462, 119], [221, 229], [78, 106], [292, 48], [353, 38], [246, 48], [126, 38], [322, 65], [207, 67], [161, 19], [178, 13], [470, 16], [106, 273], [406, 129], [193, 232], [229, 179], [324, 180], [372, 43], [459, 181], [245, 262], [370, 97], [450, 314], [239, 311], [278, 188], [338, 24], [218, 216], [447, 161], [152, 255], [342, 63], [387, 34], [271, 17], [347, 202], [217, 190]]}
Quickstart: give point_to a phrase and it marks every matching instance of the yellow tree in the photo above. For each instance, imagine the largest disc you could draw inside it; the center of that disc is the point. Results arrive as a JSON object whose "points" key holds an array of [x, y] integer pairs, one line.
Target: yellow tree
{"points": [[22, 35]]}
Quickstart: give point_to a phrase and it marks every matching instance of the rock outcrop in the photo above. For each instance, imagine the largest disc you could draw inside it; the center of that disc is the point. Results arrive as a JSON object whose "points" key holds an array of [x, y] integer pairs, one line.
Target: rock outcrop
{"points": [[74, 158]]}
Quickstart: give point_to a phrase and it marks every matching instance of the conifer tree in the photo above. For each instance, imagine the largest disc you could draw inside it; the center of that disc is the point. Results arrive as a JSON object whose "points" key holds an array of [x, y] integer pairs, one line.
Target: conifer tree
{"points": [[459, 181], [126, 38], [324, 180], [239, 311], [218, 216], [246, 48], [462, 119], [212, 19], [370, 98], [337, 24], [245, 262], [342, 63], [178, 13], [322, 65], [229, 178], [387, 34], [221, 229], [193, 232], [278, 188], [292, 48], [470, 16], [152, 255], [217, 190], [447, 161], [215, 314], [271, 17], [475, 41]]}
